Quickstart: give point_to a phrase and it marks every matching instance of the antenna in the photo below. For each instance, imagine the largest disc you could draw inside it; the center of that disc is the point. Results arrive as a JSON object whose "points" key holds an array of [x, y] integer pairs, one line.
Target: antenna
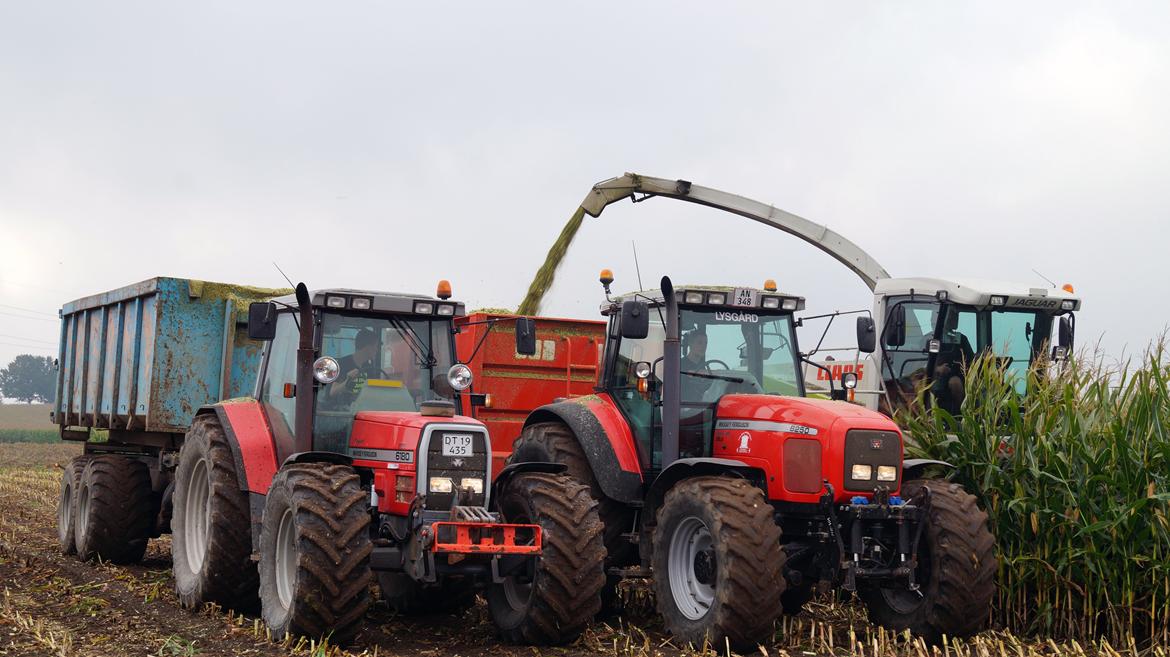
{"points": [[639, 269], [291, 284], [1044, 277]]}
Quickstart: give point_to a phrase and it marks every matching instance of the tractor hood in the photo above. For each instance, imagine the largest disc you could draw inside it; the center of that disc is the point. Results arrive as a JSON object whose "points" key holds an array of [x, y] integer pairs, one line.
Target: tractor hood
{"points": [[818, 414]]}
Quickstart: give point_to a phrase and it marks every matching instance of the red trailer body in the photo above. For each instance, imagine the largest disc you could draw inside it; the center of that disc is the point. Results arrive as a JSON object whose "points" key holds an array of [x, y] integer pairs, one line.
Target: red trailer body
{"points": [[565, 365]]}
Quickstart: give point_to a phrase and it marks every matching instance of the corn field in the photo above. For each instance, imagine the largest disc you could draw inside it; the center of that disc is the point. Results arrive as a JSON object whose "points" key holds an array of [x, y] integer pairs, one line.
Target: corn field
{"points": [[1074, 476]]}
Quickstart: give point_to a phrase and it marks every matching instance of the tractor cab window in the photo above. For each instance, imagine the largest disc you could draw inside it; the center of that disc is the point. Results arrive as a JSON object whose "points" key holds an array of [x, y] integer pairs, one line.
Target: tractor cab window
{"points": [[640, 403], [385, 364]]}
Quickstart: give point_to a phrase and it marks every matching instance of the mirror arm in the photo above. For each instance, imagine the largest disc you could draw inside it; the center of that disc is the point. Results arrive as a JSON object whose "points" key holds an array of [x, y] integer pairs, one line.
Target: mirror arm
{"points": [[827, 371]]}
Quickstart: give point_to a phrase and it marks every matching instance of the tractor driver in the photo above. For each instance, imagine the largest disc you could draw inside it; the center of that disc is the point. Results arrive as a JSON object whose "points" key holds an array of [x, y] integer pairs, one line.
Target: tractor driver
{"points": [[357, 367], [694, 360]]}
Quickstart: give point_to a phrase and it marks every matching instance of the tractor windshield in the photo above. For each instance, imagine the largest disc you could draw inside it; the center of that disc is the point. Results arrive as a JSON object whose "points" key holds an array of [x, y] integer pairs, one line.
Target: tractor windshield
{"points": [[386, 363]]}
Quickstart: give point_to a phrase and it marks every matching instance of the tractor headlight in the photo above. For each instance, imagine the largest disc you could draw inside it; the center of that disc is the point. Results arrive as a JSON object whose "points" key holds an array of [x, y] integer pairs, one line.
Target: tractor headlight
{"points": [[887, 473], [770, 302], [717, 299], [998, 300], [788, 304], [1067, 304], [326, 369], [693, 297], [861, 472], [440, 485], [459, 376], [475, 484]]}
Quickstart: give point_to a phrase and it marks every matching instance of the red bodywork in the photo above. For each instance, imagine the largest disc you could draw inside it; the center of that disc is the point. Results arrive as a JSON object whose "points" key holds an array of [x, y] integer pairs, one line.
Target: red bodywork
{"points": [[246, 423], [565, 365]]}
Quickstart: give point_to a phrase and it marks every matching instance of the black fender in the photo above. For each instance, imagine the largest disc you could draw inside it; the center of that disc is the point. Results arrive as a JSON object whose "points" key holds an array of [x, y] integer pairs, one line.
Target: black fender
{"points": [[913, 468], [697, 467], [616, 484], [318, 457], [514, 469]]}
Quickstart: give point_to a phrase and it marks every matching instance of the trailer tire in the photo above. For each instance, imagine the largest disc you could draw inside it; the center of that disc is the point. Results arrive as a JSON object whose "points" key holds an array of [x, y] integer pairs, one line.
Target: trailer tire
{"points": [[211, 525], [409, 597], [565, 591], [315, 553], [960, 562], [114, 510], [718, 568], [555, 442], [67, 502]]}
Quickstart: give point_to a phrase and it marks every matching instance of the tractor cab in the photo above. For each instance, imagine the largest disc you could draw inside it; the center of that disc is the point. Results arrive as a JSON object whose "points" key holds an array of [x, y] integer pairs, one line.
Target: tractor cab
{"points": [[932, 329]]}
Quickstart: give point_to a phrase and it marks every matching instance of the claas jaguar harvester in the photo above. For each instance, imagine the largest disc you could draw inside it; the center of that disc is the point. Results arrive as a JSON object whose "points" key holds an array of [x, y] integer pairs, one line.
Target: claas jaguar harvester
{"points": [[738, 496], [299, 447]]}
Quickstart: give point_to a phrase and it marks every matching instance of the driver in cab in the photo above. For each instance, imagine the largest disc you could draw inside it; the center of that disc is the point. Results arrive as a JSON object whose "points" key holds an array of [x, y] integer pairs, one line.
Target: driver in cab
{"points": [[357, 367], [694, 360]]}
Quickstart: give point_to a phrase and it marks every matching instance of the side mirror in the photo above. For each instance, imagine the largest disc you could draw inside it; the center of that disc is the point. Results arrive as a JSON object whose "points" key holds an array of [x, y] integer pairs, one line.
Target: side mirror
{"points": [[525, 336], [896, 326], [262, 320], [866, 335], [1064, 338], [635, 319]]}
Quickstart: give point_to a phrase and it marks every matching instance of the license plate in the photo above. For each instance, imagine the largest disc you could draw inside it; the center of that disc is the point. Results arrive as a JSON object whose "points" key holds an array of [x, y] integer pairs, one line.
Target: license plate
{"points": [[745, 298], [457, 444]]}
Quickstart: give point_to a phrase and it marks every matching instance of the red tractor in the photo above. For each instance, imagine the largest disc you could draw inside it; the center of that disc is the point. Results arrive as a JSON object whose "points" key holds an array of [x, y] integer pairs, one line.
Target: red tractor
{"points": [[348, 461], [739, 496]]}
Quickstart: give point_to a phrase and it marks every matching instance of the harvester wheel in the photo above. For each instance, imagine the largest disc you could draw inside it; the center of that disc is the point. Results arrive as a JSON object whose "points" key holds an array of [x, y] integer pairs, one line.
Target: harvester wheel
{"points": [[315, 553], [956, 566], [409, 597], [212, 537], [554, 442], [562, 595], [717, 564], [67, 502], [114, 510]]}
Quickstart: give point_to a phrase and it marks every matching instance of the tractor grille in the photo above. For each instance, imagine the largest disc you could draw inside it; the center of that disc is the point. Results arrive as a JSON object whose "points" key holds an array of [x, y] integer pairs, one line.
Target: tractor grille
{"points": [[872, 448], [456, 468]]}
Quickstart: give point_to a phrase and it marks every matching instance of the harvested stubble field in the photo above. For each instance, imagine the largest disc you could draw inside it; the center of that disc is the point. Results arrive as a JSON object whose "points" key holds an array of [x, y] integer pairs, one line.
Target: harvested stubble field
{"points": [[55, 605]]}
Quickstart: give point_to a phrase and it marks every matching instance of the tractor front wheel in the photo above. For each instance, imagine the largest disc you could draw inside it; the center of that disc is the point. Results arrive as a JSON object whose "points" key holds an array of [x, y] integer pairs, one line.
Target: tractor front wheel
{"points": [[717, 565], [315, 553], [956, 570], [553, 602]]}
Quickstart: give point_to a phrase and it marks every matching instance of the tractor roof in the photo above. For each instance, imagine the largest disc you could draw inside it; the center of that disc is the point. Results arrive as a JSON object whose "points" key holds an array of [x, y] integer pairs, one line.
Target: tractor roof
{"points": [[728, 291], [387, 302], [978, 292]]}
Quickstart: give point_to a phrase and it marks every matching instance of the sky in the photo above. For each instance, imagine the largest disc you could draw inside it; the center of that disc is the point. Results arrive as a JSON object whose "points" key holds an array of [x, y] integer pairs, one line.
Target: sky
{"points": [[387, 145]]}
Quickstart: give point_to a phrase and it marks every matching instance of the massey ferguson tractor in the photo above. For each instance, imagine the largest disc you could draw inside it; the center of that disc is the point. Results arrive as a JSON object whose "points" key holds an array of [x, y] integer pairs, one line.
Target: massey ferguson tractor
{"points": [[320, 450], [738, 496]]}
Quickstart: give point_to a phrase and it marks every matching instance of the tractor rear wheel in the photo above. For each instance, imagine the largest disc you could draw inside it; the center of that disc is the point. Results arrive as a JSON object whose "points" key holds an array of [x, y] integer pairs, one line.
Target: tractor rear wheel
{"points": [[718, 568], [315, 553], [211, 524], [409, 597], [114, 511], [956, 570], [553, 442], [562, 595], [67, 502]]}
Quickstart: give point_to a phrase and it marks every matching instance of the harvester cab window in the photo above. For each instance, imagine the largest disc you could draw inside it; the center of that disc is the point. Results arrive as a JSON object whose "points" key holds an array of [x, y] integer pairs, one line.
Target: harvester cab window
{"points": [[904, 365], [1016, 337]]}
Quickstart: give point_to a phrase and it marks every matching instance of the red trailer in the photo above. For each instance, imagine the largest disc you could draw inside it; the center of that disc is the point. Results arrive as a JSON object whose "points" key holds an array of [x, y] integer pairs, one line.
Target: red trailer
{"points": [[507, 386]]}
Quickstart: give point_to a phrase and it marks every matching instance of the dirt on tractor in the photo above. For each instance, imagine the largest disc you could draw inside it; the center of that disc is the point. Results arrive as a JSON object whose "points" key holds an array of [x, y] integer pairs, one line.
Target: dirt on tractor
{"points": [[52, 604]]}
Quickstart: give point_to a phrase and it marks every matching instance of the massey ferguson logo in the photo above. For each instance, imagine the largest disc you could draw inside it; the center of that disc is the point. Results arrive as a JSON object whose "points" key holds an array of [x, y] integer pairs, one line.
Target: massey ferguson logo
{"points": [[721, 316], [745, 443], [875, 443]]}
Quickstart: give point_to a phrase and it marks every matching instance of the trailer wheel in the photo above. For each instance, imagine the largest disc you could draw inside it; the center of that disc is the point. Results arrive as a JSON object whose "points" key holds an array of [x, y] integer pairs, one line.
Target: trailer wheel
{"points": [[67, 502], [114, 509], [408, 597], [210, 523], [717, 564], [315, 553], [956, 566], [555, 443], [562, 595]]}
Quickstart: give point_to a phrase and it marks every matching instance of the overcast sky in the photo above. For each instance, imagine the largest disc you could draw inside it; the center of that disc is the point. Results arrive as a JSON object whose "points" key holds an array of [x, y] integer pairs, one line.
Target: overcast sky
{"points": [[373, 145]]}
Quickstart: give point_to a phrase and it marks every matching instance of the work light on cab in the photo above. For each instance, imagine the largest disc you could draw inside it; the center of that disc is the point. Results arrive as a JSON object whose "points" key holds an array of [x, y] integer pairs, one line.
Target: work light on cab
{"points": [[459, 376], [326, 369], [693, 297]]}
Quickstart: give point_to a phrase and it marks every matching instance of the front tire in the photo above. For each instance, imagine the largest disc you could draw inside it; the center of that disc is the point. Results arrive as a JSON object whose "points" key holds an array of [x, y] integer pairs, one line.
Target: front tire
{"points": [[957, 566], [564, 593], [114, 510], [315, 553], [717, 563], [211, 524]]}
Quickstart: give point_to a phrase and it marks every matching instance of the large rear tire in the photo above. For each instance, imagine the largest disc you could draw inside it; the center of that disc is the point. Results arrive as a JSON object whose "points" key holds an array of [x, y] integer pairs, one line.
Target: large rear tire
{"points": [[409, 597], [315, 553], [564, 592], [211, 525], [67, 502], [115, 510], [553, 442], [717, 565], [957, 566]]}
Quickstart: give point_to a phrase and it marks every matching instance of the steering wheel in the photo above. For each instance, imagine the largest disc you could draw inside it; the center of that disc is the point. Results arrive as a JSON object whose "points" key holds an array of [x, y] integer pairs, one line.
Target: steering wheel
{"points": [[707, 364]]}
